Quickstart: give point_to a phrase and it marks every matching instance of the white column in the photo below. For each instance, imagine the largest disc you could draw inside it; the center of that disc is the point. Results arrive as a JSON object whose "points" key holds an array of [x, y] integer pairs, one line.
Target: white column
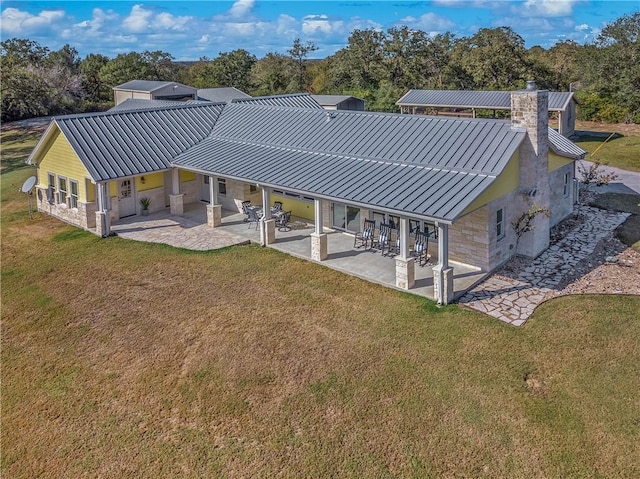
{"points": [[103, 217], [443, 244], [317, 205], [214, 210], [442, 272], [318, 237], [175, 181], [404, 237], [213, 190], [266, 203]]}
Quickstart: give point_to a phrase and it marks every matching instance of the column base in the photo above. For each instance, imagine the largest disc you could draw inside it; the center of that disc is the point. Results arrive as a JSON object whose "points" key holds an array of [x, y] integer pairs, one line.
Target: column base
{"points": [[214, 215], [177, 204], [103, 224], [405, 273], [267, 232], [318, 246], [443, 284]]}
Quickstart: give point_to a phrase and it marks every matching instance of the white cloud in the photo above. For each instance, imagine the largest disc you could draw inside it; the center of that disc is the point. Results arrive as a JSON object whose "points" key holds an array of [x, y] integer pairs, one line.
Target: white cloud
{"points": [[17, 22], [546, 8], [582, 28], [241, 8], [312, 24], [169, 22], [138, 20], [428, 22]]}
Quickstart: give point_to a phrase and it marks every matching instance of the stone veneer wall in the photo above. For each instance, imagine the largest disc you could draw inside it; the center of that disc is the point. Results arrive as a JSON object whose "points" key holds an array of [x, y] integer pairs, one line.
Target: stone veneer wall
{"points": [[473, 239], [190, 190], [83, 216], [561, 206]]}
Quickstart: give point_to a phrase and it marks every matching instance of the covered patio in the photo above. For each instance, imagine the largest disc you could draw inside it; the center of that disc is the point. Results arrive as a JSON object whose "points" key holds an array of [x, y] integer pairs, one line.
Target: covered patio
{"points": [[190, 230]]}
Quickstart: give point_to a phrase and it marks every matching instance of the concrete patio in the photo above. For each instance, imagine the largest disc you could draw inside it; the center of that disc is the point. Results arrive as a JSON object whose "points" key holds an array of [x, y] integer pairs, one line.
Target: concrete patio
{"points": [[191, 231]]}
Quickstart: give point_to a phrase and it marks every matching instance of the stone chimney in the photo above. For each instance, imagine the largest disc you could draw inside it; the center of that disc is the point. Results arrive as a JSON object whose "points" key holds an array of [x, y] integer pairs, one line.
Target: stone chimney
{"points": [[530, 111]]}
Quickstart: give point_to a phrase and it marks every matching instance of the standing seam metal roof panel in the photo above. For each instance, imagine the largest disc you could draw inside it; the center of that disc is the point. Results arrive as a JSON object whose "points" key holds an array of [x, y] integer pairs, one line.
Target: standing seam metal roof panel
{"points": [[498, 100], [117, 144]]}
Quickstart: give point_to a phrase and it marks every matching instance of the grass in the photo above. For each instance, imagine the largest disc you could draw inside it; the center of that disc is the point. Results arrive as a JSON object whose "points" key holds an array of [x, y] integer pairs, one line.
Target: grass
{"points": [[629, 231], [123, 359], [621, 151]]}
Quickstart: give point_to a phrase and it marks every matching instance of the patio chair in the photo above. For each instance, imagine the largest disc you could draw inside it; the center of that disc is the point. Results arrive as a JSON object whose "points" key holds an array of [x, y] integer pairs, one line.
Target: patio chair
{"points": [[394, 246], [366, 236], [283, 221], [384, 238], [245, 209], [421, 248], [277, 206], [254, 217]]}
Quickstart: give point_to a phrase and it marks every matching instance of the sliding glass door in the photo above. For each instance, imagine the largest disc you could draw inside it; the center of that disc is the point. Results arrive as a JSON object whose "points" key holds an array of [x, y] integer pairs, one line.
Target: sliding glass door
{"points": [[346, 218]]}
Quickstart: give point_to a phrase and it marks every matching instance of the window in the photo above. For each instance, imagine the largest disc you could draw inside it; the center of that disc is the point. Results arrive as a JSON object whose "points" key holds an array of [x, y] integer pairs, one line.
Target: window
{"points": [[222, 186], [500, 223], [73, 199], [62, 190], [51, 190], [565, 185]]}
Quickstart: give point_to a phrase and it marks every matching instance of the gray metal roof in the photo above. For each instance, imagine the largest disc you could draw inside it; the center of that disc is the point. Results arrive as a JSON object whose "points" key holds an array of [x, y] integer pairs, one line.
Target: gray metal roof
{"points": [[469, 144], [293, 100], [564, 147], [131, 104], [430, 167], [118, 144], [224, 95], [498, 100], [147, 85], [333, 99]]}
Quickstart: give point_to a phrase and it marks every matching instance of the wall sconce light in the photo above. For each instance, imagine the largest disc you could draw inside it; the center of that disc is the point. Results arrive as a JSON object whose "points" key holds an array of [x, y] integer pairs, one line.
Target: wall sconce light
{"points": [[143, 180]]}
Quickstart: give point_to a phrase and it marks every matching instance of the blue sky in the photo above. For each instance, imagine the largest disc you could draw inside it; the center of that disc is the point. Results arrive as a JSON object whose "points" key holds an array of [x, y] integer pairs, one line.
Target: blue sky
{"points": [[189, 30]]}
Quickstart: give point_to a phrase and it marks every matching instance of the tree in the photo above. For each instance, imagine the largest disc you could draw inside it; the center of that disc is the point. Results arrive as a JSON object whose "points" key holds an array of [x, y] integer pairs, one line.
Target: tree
{"points": [[274, 74], [94, 86], [159, 66], [123, 68], [299, 53], [360, 65], [231, 69], [495, 58]]}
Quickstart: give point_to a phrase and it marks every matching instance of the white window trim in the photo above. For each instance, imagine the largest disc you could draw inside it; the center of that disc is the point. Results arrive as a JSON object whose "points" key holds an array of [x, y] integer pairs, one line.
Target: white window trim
{"points": [[566, 181], [500, 235], [51, 187], [60, 190], [222, 181], [76, 195]]}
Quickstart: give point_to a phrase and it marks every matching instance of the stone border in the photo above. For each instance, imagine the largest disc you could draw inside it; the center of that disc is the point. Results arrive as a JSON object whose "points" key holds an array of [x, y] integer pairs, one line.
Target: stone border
{"points": [[512, 297]]}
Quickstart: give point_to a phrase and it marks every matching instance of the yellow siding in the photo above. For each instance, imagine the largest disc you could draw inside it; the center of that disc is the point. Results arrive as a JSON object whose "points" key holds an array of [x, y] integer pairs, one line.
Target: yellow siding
{"points": [[91, 190], [556, 161], [187, 175], [151, 181], [506, 182], [60, 159], [113, 188], [301, 209]]}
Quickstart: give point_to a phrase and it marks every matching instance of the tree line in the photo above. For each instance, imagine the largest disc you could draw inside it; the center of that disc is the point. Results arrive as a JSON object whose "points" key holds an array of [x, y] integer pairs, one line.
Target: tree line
{"points": [[374, 65]]}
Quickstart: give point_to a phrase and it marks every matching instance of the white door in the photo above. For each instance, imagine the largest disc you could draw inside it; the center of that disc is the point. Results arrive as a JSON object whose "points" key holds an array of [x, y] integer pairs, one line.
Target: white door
{"points": [[205, 193], [126, 198]]}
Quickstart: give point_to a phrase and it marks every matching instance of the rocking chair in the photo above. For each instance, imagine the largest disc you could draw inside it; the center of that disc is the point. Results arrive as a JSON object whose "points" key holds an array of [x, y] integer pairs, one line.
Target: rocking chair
{"points": [[366, 236]]}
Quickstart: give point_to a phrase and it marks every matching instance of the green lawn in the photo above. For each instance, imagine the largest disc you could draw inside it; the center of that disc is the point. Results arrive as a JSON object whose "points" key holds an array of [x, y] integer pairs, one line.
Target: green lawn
{"points": [[618, 151], [124, 359]]}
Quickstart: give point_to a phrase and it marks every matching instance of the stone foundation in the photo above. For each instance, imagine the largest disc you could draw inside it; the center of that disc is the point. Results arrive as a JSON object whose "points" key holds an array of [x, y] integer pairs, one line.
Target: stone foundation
{"points": [[405, 273], [267, 232], [82, 216], [214, 215], [318, 246], [443, 285], [177, 204]]}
